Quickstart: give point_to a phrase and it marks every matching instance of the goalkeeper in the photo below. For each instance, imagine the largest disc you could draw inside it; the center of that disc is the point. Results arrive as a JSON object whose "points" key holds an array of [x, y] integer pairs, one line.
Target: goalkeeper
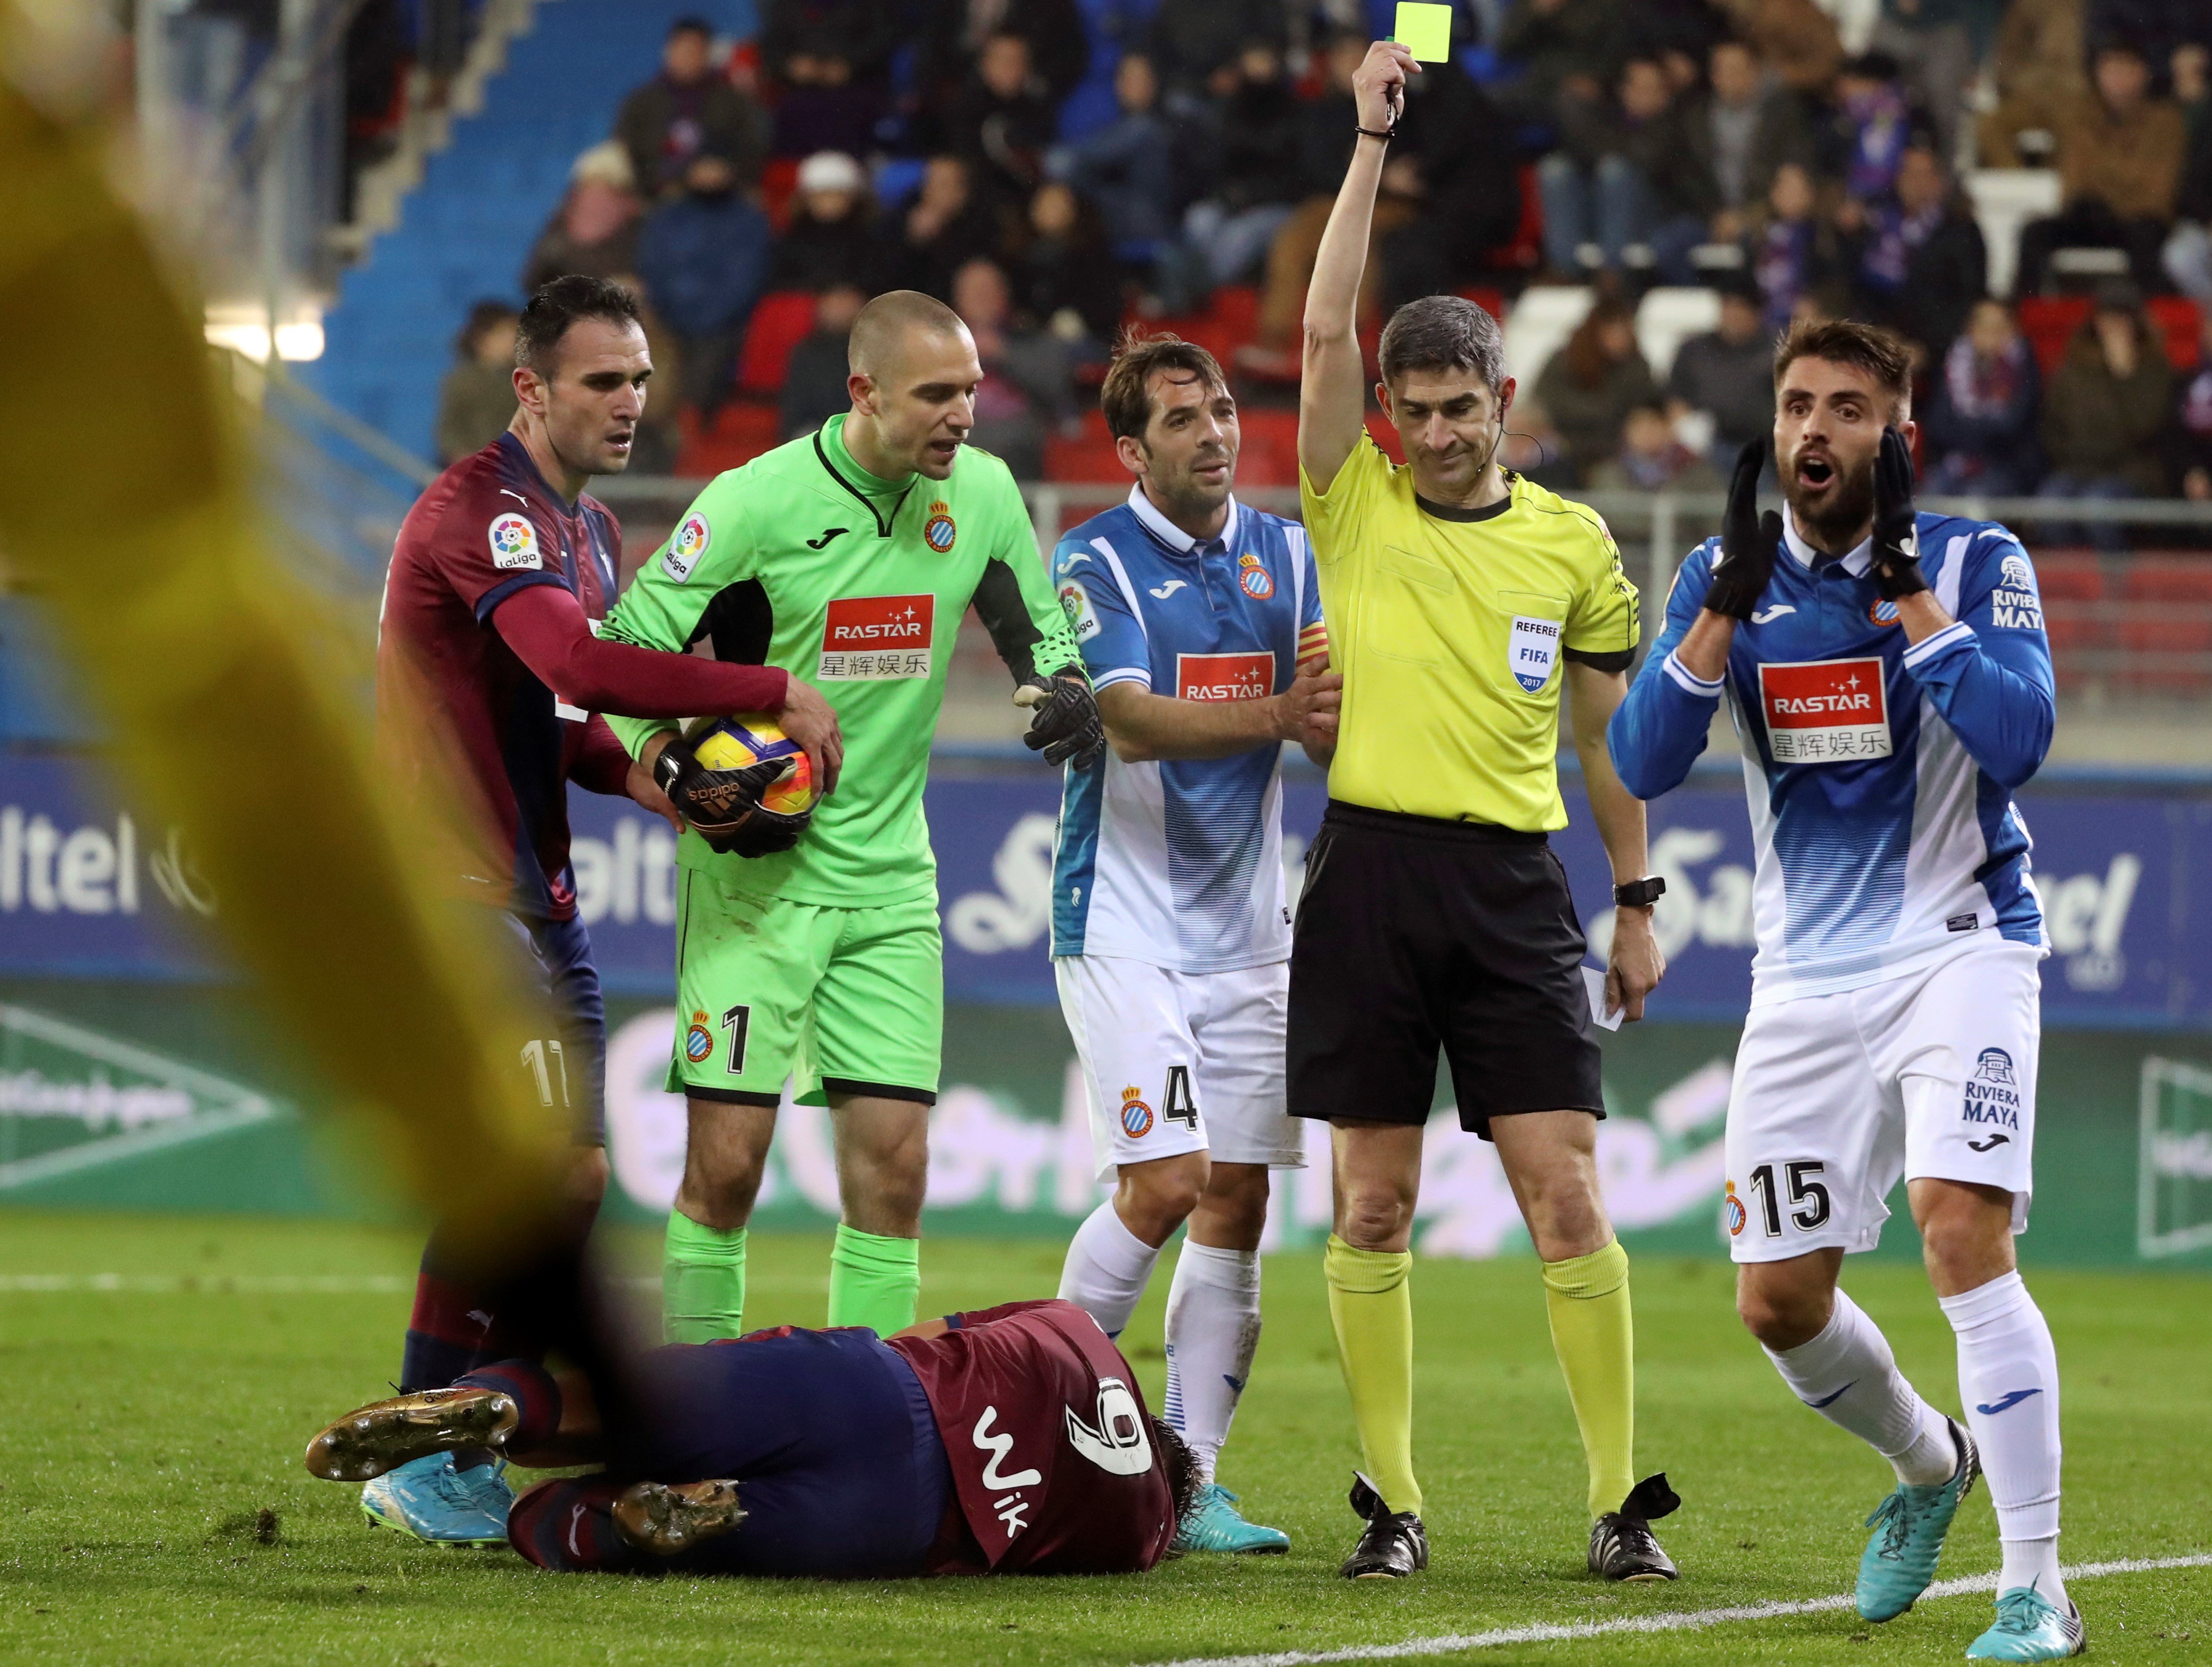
{"points": [[807, 945]]}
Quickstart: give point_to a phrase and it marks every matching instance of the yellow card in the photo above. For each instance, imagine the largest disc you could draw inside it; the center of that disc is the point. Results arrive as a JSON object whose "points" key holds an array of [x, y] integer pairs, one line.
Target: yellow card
{"points": [[1423, 30]]}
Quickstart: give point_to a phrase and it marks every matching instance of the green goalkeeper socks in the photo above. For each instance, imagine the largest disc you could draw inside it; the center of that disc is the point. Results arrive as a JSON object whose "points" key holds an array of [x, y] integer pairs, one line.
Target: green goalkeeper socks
{"points": [[874, 1282], [702, 1282]]}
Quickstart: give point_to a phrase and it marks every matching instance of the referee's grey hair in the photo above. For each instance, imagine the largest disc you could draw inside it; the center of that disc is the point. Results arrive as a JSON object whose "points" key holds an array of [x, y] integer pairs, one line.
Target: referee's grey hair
{"points": [[1443, 333]]}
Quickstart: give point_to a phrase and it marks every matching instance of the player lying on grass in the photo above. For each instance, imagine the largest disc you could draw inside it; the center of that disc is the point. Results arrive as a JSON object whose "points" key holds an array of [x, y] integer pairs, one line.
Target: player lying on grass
{"points": [[1011, 1440], [1889, 677]]}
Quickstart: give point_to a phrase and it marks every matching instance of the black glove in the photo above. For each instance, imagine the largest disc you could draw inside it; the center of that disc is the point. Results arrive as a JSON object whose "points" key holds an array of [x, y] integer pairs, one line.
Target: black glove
{"points": [[1896, 567], [1748, 541], [724, 806], [1066, 726]]}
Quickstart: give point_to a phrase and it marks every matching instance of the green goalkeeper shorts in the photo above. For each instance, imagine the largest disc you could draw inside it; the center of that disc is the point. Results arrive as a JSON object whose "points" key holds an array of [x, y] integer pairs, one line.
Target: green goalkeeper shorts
{"points": [[835, 1000]]}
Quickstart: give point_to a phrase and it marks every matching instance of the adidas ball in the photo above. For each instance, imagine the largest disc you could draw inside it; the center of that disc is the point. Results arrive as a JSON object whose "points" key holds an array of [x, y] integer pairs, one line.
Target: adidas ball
{"points": [[748, 738]]}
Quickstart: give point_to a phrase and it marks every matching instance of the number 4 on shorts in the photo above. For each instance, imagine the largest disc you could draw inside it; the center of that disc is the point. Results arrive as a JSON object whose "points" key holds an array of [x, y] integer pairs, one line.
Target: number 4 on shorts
{"points": [[737, 1022], [1176, 1105]]}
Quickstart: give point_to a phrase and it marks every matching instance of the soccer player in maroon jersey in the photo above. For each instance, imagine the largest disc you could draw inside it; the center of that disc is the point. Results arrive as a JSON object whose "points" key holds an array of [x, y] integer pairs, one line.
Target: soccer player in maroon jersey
{"points": [[489, 678], [1012, 1440]]}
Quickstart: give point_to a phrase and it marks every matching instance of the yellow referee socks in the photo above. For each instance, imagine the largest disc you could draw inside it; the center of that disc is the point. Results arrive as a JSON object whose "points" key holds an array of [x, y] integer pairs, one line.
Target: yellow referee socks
{"points": [[1595, 1336], [1372, 1308]]}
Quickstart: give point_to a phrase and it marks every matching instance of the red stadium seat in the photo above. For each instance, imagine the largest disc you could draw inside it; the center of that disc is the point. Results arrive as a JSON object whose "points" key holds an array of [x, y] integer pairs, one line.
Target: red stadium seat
{"points": [[2049, 323], [1089, 456], [779, 178], [1385, 437], [1270, 457], [1525, 251], [2176, 319], [743, 429], [2074, 611], [2166, 622], [781, 319], [1492, 302]]}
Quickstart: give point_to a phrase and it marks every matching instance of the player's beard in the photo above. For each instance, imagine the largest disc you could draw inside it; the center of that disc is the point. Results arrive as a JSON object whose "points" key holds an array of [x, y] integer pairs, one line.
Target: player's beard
{"points": [[1835, 524]]}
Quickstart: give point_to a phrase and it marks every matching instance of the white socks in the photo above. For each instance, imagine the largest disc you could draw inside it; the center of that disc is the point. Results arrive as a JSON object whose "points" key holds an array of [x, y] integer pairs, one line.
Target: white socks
{"points": [[1848, 1375], [2008, 1379], [1106, 1269], [1213, 1328]]}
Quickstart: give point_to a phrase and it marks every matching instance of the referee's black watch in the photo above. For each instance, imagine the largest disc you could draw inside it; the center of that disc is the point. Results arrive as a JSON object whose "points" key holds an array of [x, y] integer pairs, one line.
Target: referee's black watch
{"points": [[1639, 893]]}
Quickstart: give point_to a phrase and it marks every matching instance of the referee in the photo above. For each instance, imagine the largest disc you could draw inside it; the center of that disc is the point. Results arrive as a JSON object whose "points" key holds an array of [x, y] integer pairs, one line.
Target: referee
{"points": [[1461, 600]]}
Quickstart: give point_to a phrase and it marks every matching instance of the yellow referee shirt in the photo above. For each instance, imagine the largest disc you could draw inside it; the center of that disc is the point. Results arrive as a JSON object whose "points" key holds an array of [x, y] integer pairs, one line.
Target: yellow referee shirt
{"points": [[1448, 626]]}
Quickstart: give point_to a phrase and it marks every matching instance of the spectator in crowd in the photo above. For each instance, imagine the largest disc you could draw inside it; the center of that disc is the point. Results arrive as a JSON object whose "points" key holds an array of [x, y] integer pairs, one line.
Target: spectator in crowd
{"points": [[2188, 253], [1869, 127], [1917, 256], [594, 231], [944, 226], [2040, 62], [1026, 393], [953, 33], [703, 258], [1065, 280], [476, 401], [814, 388], [1255, 178], [1794, 39], [1652, 459], [832, 236], [1979, 420], [1740, 133], [1002, 122], [1593, 382], [1793, 253], [1196, 49], [1934, 41], [2108, 405], [688, 108], [2192, 428], [1626, 186], [828, 61], [1727, 375], [1565, 50], [660, 435], [2153, 28], [2119, 158], [1127, 168]]}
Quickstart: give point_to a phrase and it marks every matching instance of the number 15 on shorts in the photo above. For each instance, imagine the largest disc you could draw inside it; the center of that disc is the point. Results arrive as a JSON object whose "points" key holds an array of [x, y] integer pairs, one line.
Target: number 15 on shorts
{"points": [[1800, 1198]]}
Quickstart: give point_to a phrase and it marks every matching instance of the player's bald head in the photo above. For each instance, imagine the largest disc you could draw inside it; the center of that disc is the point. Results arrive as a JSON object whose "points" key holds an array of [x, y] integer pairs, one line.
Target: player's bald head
{"points": [[891, 326]]}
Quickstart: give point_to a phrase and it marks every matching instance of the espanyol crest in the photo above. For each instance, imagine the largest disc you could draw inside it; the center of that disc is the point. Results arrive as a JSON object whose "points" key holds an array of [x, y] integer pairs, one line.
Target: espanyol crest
{"points": [[1532, 648]]}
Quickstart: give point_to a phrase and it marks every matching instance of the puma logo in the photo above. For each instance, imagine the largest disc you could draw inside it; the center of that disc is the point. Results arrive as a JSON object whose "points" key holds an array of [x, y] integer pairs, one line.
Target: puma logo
{"points": [[832, 532]]}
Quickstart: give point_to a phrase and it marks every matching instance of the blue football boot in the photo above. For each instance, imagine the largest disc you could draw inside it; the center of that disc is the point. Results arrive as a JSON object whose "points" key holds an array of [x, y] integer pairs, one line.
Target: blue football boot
{"points": [[1213, 1523], [1909, 1527], [2029, 1628], [438, 1505]]}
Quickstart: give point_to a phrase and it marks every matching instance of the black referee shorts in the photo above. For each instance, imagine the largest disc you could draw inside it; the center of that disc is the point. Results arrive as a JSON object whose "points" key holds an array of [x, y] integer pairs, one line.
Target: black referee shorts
{"points": [[1413, 933]]}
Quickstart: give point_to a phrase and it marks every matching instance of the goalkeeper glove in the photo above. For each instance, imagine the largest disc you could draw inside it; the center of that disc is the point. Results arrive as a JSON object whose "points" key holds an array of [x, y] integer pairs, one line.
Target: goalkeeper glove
{"points": [[1748, 541], [724, 806], [1066, 727], [1896, 566]]}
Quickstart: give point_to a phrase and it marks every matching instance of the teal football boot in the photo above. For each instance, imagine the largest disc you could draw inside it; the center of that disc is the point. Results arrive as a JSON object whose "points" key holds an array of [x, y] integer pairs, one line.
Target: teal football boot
{"points": [[438, 1505], [1909, 1527], [1213, 1524], [2029, 1628]]}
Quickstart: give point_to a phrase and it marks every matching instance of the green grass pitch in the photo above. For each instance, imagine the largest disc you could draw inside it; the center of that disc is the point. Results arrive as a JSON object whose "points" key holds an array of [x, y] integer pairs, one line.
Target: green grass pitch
{"points": [[144, 1428]]}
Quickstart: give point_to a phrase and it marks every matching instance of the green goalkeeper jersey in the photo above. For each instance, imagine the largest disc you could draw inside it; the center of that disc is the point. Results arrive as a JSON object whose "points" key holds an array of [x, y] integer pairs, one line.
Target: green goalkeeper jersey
{"points": [[804, 560]]}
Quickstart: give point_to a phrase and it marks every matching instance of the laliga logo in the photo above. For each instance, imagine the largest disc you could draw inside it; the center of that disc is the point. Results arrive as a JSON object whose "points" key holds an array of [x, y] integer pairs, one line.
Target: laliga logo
{"points": [[1118, 1445]]}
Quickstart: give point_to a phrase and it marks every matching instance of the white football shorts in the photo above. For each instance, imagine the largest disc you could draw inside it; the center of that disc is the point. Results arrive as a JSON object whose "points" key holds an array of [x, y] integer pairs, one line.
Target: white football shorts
{"points": [[1181, 1062], [1837, 1097]]}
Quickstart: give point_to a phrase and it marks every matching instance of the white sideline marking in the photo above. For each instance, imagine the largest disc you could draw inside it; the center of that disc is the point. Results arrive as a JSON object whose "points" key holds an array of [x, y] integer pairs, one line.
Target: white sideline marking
{"points": [[1685, 1620]]}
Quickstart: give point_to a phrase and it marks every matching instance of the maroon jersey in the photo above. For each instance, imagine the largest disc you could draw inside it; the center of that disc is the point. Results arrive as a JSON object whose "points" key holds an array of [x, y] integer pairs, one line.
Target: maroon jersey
{"points": [[1051, 1446], [457, 710]]}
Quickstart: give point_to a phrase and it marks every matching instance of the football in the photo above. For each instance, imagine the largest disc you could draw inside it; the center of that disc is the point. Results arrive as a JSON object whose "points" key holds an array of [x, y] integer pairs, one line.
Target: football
{"points": [[748, 738]]}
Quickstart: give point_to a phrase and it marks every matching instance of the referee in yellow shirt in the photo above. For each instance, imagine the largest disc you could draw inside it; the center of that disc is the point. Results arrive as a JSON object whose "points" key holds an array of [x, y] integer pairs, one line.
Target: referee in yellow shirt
{"points": [[1461, 599]]}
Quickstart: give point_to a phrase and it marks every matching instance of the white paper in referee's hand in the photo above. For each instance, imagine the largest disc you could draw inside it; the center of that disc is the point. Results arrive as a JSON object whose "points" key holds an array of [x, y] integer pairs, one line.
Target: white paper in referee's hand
{"points": [[1594, 981]]}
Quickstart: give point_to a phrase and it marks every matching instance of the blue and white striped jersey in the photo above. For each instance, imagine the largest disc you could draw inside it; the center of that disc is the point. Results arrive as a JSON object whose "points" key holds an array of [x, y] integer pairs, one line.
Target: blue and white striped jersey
{"points": [[1179, 863], [1880, 773]]}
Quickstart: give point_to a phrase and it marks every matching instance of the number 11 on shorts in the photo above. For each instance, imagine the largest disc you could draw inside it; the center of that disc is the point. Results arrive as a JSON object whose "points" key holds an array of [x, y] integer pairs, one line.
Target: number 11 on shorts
{"points": [[1808, 1197]]}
